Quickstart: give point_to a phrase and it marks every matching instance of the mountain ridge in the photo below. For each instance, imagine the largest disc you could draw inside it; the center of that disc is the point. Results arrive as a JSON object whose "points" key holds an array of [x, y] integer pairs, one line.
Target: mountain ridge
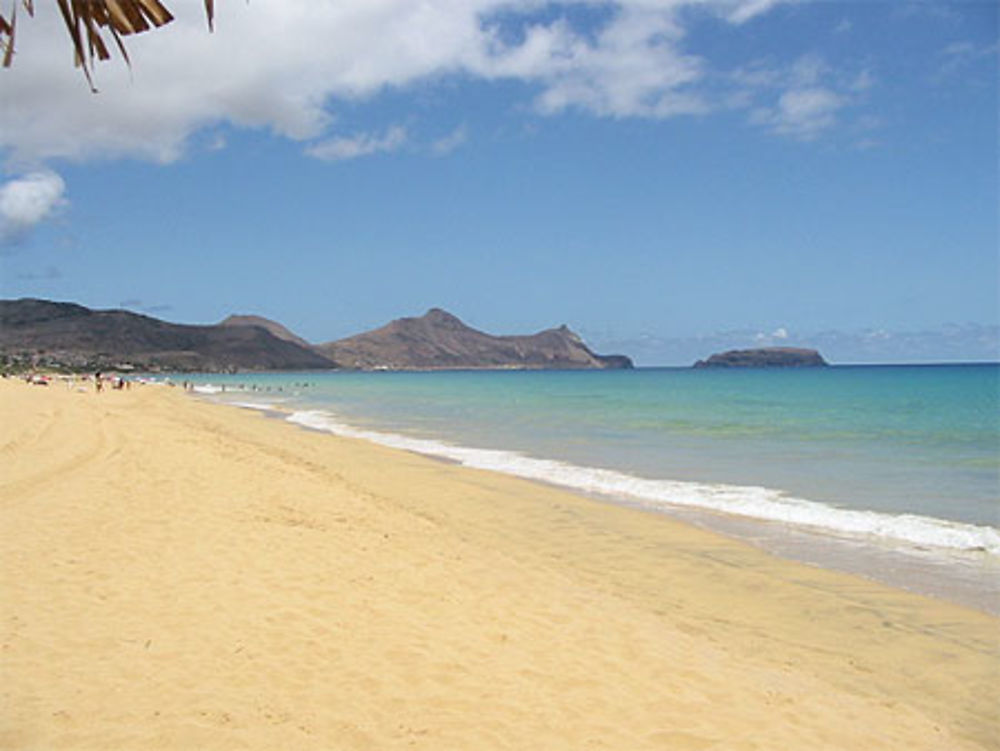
{"points": [[37, 332], [440, 340], [43, 333]]}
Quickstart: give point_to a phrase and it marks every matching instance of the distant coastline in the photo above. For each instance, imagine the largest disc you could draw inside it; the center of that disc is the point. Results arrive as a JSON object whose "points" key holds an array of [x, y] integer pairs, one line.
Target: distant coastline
{"points": [[42, 334], [66, 337]]}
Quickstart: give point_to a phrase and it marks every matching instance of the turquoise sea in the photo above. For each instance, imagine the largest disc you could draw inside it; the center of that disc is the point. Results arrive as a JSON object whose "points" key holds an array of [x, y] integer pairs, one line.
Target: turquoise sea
{"points": [[881, 459]]}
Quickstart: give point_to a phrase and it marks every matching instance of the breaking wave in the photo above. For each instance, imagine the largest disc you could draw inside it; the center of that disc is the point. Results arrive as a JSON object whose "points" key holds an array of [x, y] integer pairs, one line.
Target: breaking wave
{"points": [[748, 501]]}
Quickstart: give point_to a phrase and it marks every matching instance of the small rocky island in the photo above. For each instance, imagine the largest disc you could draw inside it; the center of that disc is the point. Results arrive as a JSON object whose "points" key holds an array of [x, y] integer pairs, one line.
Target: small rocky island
{"points": [[765, 357]]}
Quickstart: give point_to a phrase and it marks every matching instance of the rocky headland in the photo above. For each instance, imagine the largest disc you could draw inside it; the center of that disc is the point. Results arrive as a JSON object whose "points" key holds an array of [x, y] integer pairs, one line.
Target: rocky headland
{"points": [[438, 340]]}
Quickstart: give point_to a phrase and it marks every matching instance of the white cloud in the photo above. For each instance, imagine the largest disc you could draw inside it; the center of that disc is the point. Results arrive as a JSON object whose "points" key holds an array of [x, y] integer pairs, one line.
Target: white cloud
{"points": [[633, 68], [362, 144], [779, 335], [271, 64], [26, 201], [808, 70], [875, 335], [450, 142], [958, 57], [803, 113], [741, 12], [803, 99], [286, 65]]}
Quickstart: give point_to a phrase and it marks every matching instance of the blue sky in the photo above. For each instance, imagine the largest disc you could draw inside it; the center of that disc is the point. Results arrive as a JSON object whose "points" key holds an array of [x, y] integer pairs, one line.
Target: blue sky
{"points": [[666, 177]]}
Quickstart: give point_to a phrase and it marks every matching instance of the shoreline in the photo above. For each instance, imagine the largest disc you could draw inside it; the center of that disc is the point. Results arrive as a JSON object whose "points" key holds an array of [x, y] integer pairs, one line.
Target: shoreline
{"points": [[968, 578], [235, 582]]}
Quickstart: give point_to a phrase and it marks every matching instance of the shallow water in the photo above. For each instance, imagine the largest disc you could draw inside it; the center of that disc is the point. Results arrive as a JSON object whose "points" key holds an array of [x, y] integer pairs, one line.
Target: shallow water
{"points": [[899, 460]]}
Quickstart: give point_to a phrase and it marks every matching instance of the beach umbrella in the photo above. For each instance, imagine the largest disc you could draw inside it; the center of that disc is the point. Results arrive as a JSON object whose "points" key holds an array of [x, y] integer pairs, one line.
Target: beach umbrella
{"points": [[95, 27]]}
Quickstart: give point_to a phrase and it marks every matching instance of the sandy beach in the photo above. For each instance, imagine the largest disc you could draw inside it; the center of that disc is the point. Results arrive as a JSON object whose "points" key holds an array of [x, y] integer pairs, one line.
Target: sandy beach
{"points": [[181, 575]]}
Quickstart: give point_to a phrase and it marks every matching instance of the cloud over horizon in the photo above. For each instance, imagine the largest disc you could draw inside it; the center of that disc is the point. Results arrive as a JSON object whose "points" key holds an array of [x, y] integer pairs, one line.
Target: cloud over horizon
{"points": [[27, 201]]}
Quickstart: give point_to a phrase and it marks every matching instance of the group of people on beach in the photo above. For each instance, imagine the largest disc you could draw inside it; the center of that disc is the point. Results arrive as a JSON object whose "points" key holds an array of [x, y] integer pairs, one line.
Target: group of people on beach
{"points": [[100, 380], [116, 382]]}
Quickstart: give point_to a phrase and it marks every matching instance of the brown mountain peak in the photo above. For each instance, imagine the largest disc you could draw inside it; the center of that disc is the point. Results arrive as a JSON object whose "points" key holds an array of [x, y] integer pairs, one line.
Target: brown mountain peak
{"points": [[275, 328], [440, 340], [441, 317]]}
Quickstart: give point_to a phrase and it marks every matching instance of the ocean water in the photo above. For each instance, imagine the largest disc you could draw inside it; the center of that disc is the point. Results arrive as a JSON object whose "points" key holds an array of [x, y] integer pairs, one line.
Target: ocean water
{"points": [[839, 466]]}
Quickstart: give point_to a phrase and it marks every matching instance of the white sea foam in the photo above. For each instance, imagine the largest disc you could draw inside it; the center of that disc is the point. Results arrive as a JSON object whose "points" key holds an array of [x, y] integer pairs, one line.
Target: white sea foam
{"points": [[207, 388], [753, 502], [262, 406], [211, 389]]}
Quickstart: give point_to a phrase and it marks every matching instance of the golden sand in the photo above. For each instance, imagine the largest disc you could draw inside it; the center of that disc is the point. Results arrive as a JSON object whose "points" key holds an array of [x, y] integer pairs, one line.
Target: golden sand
{"points": [[178, 575]]}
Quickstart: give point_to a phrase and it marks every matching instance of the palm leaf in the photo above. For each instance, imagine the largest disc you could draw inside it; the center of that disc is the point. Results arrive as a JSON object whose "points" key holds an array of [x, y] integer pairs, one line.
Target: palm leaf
{"points": [[89, 21]]}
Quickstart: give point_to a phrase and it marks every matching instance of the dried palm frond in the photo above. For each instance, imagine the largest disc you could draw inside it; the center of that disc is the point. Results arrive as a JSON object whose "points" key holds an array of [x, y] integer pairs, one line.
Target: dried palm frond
{"points": [[7, 29], [87, 21]]}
